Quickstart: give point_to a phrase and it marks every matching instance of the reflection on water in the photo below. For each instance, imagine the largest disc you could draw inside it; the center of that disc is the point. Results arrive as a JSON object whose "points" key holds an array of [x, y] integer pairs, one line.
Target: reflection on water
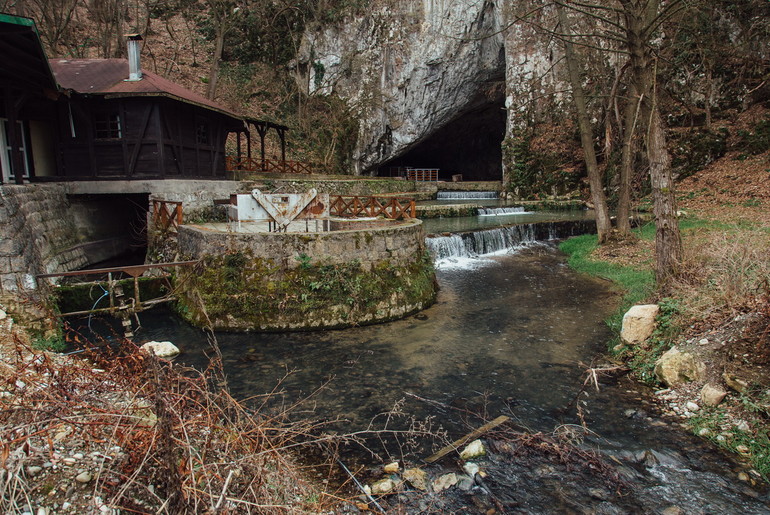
{"points": [[470, 223], [483, 345]]}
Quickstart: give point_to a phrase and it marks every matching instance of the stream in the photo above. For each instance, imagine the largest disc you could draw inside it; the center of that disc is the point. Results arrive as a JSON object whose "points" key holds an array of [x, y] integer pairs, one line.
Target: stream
{"points": [[511, 334]]}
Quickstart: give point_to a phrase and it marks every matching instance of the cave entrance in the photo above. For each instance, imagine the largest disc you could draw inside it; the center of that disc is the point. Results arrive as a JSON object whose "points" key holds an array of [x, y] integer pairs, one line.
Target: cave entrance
{"points": [[469, 145]]}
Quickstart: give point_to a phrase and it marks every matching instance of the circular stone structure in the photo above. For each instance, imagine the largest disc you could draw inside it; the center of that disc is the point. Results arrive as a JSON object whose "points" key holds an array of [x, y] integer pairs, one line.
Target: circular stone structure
{"points": [[358, 272]]}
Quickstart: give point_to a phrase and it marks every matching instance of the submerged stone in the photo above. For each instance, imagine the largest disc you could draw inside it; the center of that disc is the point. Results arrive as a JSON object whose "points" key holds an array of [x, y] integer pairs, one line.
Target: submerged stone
{"points": [[446, 481], [473, 450], [417, 478]]}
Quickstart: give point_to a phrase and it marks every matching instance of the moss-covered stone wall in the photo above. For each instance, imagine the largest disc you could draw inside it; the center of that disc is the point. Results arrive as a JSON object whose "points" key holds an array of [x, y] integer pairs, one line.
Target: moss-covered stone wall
{"points": [[285, 281]]}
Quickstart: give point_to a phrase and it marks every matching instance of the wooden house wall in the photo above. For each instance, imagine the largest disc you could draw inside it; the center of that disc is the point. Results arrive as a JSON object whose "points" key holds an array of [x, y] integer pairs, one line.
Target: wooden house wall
{"points": [[159, 138]]}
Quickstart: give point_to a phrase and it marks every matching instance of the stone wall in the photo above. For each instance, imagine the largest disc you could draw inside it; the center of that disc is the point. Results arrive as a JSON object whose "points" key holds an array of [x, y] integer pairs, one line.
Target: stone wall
{"points": [[285, 281], [36, 236]]}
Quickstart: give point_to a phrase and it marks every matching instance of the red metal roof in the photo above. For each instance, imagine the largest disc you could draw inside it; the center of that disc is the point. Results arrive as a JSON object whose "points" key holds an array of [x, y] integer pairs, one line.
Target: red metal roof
{"points": [[108, 77]]}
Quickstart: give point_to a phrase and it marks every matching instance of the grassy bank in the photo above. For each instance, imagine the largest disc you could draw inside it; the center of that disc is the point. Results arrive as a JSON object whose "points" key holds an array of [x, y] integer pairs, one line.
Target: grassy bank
{"points": [[718, 310]]}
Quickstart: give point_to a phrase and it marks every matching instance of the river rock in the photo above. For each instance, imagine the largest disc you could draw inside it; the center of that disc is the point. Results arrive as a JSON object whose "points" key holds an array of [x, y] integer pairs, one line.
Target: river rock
{"points": [[675, 367], [3, 315], [391, 468], [383, 486], [471, 469], [161, 349], [712, 395], [443, 482], [639, 323], [83, 477], [34, 469], [473, 450], [417, 478]]}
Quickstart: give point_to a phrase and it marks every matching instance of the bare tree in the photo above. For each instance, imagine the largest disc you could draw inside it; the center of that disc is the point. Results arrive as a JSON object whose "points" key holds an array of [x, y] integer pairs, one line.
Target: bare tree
{"points": [[574, 65], [641, 19]]}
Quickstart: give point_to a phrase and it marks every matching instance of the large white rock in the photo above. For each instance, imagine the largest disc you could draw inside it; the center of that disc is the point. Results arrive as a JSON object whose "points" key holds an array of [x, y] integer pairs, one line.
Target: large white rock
{"points": [[161, 349], [639, 323], [675, 367], [473, 450]]}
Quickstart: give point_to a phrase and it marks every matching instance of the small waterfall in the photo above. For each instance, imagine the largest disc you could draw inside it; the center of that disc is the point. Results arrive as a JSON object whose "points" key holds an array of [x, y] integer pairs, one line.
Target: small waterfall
{"points": [[488, 241], [498, 211], [466, 195]]}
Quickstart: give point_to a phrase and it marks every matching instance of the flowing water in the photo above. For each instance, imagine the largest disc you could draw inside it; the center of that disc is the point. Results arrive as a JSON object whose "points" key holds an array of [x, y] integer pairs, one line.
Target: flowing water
{"points": [[457, 195], [509, 334]]}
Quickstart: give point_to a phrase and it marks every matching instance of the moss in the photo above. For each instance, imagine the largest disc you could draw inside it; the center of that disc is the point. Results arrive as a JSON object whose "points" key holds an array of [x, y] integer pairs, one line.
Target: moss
{"points": [[260, 295]]}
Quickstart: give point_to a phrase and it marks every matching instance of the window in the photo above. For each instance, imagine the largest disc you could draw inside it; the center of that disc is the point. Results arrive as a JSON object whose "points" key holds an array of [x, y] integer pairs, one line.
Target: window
{"points": [[202, 132], [107, 126], [5, 150]]}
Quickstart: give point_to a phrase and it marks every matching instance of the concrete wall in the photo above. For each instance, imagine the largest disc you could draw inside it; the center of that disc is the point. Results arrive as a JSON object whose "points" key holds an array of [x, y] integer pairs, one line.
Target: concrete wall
{"points": [[285, 281]]}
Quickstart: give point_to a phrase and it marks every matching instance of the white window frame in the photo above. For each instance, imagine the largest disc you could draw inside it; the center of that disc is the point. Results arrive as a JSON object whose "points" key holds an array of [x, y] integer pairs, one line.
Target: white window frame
{"points": [[5, 151]]}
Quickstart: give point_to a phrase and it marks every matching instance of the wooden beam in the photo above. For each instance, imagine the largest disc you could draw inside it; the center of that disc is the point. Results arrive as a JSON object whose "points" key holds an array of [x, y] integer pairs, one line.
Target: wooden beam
{"points": [[467, 438], [138, 143], [159, 143]]}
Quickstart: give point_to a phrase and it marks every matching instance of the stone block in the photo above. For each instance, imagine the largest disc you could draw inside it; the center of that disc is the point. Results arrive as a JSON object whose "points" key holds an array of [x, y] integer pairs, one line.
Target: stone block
{"points": [[639, 323]]}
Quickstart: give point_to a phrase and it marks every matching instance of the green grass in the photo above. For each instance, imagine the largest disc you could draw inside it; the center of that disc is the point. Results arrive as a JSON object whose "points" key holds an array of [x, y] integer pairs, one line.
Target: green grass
{"points": [[638, 284], [757, 443]]}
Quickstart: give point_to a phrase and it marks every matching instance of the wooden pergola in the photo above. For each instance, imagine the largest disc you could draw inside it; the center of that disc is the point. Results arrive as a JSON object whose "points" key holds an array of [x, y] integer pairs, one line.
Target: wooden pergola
{"points": [[249, 163]]}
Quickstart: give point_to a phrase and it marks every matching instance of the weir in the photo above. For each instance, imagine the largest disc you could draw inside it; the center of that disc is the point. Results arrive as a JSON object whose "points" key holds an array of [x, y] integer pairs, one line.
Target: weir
{"points": [[488, 241], [499, 211], [465, 195]]}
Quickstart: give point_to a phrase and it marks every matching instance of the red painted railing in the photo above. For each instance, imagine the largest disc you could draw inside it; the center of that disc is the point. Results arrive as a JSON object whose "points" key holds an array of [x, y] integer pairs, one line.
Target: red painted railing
{"points": [[166, 215], [389, 207]]}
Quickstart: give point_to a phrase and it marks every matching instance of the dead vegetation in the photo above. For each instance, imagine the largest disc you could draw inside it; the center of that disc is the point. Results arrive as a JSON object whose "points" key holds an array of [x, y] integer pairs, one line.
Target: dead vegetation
{"points": [[137, 434]]}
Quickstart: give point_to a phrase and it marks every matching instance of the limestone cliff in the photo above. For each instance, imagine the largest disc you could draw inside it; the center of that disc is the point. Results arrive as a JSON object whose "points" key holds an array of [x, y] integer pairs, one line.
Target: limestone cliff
{"points": [[434, 83]]}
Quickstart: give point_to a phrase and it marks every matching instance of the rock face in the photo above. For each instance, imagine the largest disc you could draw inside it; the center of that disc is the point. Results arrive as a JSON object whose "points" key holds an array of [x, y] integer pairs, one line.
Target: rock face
{"points": [[412, 69], [161, 349], [639, 323], [675, 367]]}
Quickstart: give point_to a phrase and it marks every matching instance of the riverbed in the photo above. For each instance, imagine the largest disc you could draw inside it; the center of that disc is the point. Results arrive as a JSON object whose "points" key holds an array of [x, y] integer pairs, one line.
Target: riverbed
{"points": [[510, 334]]}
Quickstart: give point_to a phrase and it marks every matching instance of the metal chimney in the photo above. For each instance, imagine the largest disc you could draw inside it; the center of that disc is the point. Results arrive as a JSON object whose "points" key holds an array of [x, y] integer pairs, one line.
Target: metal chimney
{"points": [[134, 63]]}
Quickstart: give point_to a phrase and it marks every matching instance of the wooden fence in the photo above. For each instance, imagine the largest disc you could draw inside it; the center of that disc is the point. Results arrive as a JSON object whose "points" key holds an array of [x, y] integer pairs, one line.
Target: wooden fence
{"points": [[256, 164], [166, 215], [390, 207]]}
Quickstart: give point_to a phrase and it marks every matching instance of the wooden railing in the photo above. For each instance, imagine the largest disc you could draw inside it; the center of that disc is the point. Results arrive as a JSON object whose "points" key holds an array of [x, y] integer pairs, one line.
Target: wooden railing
{"points": [[390, 207], [255, 164], [422, 174], [166, 215]]}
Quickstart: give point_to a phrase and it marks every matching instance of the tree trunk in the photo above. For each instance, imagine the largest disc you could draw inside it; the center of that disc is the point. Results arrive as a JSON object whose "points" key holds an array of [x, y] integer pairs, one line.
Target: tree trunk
{"points": [[219, 46], [668, 242], [603, 222], [630, 118], [639, 17]]}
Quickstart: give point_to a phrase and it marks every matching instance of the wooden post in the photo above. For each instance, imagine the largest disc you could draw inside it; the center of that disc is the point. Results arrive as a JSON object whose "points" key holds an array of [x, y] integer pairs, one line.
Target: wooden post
{"points": [[262, 131], [282, 137]]}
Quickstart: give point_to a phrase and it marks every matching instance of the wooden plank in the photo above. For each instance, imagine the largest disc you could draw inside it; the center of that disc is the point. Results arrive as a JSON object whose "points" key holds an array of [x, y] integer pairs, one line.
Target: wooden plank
{"points": [[467, 438]]}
